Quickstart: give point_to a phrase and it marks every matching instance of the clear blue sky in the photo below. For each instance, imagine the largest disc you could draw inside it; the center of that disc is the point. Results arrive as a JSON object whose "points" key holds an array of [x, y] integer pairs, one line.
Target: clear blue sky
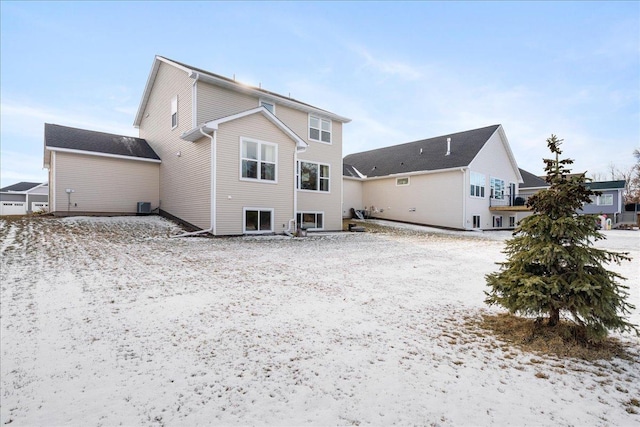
{"points": [[402, 71]]}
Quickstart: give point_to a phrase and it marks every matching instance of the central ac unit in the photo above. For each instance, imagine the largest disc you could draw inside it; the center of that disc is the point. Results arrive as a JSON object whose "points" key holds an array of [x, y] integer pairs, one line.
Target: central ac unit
{"points": [[144, 207]]}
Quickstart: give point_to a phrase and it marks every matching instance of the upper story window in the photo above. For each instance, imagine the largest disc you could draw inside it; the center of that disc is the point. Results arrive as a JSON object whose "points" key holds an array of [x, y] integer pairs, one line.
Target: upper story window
{"points": [[477, 184], [258, 160], [605, 200], [497, 188], [319, 129], [402, 181], [268, 105], [313, 176], [174, 112]]}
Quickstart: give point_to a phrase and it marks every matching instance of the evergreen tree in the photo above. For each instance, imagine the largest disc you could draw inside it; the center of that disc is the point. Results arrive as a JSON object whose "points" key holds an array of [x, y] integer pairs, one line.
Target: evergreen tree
{"points": [[552, 266]]}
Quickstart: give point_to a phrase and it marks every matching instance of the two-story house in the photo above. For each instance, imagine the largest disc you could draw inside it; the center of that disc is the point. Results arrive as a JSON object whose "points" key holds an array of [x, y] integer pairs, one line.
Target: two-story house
{"points": [[234, 159], [466, 180]]}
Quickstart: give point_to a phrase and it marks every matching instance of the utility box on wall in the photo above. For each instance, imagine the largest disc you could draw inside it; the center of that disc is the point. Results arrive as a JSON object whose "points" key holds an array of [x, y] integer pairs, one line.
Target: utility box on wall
{"points": [[144, 208]]}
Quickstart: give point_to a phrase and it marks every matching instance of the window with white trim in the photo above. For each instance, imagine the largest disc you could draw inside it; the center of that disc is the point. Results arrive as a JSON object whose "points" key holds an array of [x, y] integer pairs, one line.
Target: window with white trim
{"points": [[402, 181], [258, 160], [311, 220], [257, 220], [312, 176], [512, 221], [319, 129], [605, 200], [476, 221], [497, 221], [174, 112], [268, 105], [497, 188], [477, 184]]}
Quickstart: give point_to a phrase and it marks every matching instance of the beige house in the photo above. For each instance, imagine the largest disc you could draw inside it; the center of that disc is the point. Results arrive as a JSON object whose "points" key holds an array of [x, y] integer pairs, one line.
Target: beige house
{"points": [[97, 173], [235, 159], [466, 180]]}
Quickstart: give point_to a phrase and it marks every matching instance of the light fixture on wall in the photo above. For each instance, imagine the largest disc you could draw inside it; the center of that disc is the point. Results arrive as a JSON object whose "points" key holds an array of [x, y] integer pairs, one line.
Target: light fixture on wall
{"points": [[179, 153]]}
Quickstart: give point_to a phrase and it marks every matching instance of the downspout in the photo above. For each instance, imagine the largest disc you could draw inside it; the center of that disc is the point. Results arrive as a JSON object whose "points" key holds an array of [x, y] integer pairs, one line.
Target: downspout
{"points": [[292, 221], [212, 228], [194, 101], [214, 153], [464, 199]]}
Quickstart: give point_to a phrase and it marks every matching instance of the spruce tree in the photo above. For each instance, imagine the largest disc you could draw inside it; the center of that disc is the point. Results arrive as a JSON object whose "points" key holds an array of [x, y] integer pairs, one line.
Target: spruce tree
{"points": [[552, 267]]}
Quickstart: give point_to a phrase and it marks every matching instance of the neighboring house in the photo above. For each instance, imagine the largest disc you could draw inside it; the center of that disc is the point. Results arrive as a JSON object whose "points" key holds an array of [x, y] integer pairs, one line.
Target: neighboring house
{"points": [[239, 159], [23, 198], [235, 159], [529, 186], [466, 180], [609, 203], [99, 173]]}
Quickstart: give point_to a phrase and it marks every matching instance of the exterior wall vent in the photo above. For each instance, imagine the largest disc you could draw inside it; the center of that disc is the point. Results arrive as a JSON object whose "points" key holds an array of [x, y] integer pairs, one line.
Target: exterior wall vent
{"points": [[144, 208]]}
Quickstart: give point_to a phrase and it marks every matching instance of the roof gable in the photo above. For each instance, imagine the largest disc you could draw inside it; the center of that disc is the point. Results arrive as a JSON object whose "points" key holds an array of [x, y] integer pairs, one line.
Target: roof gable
{"points": [[424, 155], [209, 77], [195, 134], [531, 180], [63, 138]]}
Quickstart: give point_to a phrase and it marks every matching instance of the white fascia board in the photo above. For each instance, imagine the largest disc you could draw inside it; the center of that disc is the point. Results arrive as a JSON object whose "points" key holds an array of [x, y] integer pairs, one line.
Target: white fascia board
{"points": [[403, 174], [353, 178], [36, 187], [507, 147], [150, 80], [97, 154], [239, 87]]}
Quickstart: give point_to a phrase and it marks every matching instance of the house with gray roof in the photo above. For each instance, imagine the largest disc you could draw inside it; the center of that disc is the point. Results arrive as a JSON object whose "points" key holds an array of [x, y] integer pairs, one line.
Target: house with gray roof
{"points": [[217, 155], [465, 180], [99, 173], [24, 198]]}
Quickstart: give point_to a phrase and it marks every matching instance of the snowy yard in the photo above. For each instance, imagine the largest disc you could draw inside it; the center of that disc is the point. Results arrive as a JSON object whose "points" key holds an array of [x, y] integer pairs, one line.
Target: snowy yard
{"points": [[107, 321]]}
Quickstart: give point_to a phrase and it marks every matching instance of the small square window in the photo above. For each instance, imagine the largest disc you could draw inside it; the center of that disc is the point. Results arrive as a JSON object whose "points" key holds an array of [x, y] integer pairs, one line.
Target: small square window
{"points": [[402, 181], [174, 112]]}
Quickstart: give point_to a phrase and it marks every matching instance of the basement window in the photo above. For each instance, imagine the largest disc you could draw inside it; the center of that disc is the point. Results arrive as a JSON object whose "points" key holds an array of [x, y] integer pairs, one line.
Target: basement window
{"points": [[258, 220], [311, 220]]}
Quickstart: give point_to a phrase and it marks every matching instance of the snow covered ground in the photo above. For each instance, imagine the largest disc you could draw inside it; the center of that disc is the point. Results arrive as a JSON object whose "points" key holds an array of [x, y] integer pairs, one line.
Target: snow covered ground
{"points": [[107, 321]]}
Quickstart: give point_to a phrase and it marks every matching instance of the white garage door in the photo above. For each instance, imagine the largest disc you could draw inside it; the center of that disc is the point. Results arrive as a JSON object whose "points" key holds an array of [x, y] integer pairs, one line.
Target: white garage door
{"points": [[39, 206], [13, 208]]}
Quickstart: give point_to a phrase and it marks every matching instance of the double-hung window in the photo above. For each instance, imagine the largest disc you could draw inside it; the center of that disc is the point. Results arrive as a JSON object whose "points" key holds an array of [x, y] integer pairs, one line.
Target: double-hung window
{"points": [[313, 176], [605, 200], [258, 160], [319, 129], [497, 188], [477, 184]]}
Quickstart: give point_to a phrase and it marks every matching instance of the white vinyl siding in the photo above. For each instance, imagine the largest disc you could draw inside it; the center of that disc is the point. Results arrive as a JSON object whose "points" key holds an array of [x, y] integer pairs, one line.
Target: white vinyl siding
{"points": [[103, 185], [234, 193], [174, 112]]}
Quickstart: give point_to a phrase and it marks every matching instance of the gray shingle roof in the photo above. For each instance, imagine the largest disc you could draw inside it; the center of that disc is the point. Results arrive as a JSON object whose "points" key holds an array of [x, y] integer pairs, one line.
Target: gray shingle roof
{"points": [[349, 170], [97, 142], [531, 180], [20, 186], [425, 155]]}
